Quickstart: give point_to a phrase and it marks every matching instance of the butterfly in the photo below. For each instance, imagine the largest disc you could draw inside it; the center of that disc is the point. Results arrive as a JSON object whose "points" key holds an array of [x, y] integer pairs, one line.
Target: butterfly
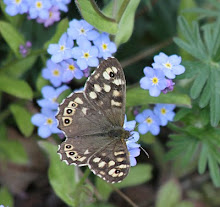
{"points": [[92, 121]]}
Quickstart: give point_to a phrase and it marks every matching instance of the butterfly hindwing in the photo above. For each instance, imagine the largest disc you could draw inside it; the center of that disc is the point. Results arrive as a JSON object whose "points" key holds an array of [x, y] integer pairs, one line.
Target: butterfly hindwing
{"points": [[106, 90], [112, 163]]}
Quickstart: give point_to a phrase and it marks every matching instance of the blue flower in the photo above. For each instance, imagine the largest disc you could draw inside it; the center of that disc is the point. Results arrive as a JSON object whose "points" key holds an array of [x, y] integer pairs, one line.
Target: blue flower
{"points": [[86, 54], [71, 70], [170, 65], [80, 30], [46, 123], [169, 87], [62, 50], [39, 8], [164, 112], [50, 95], [154, 81], [14, 7], [53, 72], [106, 47], [148, 122], [61, 4], [133, 147]]}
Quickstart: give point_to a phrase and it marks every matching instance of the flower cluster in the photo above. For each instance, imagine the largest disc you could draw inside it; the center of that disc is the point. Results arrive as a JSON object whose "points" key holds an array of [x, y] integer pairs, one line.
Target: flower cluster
{"points": [[77, 51], [150, 121], [133, 147], [24, 49], [46, 12], [159, 78]]}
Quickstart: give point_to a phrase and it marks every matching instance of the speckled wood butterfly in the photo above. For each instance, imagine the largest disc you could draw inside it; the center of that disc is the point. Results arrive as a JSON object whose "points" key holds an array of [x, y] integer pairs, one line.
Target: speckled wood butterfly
{"points": [[92, 121]]}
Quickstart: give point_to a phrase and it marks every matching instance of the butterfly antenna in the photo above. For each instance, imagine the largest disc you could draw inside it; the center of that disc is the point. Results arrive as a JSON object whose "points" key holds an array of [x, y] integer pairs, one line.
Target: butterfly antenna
{"points": [[145, 152]]}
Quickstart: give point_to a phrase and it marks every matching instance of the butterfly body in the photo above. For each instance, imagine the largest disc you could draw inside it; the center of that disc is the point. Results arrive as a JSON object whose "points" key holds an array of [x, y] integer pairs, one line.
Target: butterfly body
{"points": [[93, 120]]}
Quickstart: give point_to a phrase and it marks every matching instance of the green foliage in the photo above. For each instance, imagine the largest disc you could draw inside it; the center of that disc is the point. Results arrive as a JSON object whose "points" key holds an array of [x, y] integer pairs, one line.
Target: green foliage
{"points": [[206, 68], [137, 175], [23, 119], [6, 198], [169, 195]]}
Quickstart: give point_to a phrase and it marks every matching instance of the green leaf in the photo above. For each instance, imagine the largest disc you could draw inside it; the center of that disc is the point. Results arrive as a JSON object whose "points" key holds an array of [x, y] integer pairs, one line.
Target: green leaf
{"points": [[92, 14], [203, 158], [23, 119], [199, 82], [13, 151], [61, 28], [169, 195], [137, 96], [182, 113], [126, 23], [214, 169], [61, 176], [13, 38], [137, 175], [6, 198], [41, 82], [18, 88], [185, 204], [21, 65], [206, 95]]}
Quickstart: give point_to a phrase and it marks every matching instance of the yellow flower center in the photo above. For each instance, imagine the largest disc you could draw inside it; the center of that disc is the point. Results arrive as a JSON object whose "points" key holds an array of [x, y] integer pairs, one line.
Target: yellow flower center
{"points": [[49, 121], [82, 31], [155, 80], [17, 1], [168, 65], [62, 47], [104, 46], [56, 72], [54, 99], [163, 111], [71, 67], [86, 55], [39, 4], [149, 120], [50, 14]]}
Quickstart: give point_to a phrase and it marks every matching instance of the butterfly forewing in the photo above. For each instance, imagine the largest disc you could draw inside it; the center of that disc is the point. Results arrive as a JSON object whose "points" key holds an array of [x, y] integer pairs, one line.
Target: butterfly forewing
{"points": [[106, 89]]}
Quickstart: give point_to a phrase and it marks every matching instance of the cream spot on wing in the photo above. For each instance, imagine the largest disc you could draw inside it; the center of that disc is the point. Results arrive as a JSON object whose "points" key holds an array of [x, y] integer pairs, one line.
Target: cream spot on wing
{"points": [[97, 76], [120, 174], [107, 88], [111, 163], [112, 171], [97, 88], [84, 110], [103, 154], [122, 166], [97, 159], [86, 152], [78, 100], [68, 147], [72, 104], [92, 95], [81, 159], [102, 172], [69, 111], [101, 164], [115, 69], [115, 103], [120, 159], [116, 93], [118, 82], [119, 153], [67, 121], [106, 75], [109, 70]]}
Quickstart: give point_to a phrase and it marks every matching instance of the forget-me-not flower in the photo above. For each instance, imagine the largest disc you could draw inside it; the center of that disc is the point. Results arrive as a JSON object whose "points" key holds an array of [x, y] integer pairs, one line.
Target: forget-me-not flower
{"points": [[86, 54], [53, 72], [54, 16], [46, 122], [133, 147], [81, 30], [148, 121], [106, 47], [154, 81], [14, 7], [62, 50], [164, 112], [70, 70], [39, 8], [61, 4], [50, 96], [170, 65], [169, 87]]}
